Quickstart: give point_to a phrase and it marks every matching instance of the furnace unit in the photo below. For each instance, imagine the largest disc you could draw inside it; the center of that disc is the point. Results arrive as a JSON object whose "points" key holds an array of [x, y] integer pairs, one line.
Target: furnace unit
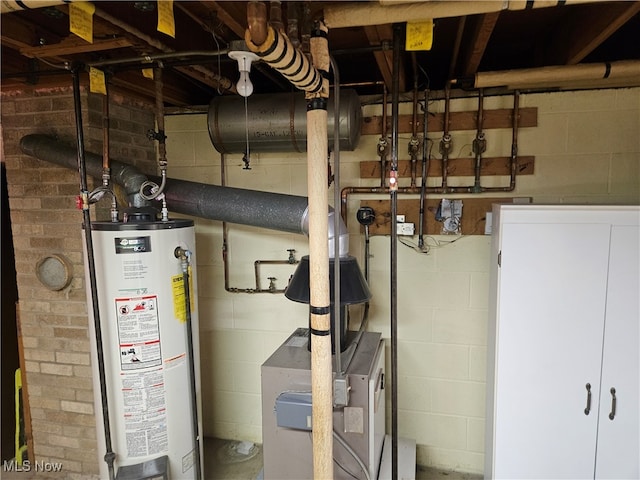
{"points": [[359, 427]]}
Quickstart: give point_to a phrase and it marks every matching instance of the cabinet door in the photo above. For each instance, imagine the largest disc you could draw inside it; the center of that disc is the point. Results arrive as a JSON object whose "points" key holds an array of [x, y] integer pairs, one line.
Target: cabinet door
{"points": [[550, 311], [618, 437]]}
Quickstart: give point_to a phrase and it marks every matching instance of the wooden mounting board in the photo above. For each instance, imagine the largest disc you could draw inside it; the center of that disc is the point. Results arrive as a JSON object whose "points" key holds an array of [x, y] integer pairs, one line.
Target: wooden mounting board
{"points": [[499, 118], [474, 211], [462, 167]]}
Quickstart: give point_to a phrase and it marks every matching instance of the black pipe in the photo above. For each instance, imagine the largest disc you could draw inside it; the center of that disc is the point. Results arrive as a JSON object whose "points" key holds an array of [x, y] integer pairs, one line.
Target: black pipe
{"points": [[336, 201], [425, 169], [109, 456], [393, 190]]}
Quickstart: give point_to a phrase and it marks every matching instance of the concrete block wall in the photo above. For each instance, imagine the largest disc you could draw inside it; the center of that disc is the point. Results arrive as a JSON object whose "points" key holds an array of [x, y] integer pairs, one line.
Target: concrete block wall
{"points": [[45, 221], [587, 151]]}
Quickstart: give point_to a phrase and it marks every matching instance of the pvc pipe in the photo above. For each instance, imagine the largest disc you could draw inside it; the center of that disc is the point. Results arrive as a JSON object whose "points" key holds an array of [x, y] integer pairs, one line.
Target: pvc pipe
{"points": [[8, 6], [626, 72], [359, 14], [319, 300]]}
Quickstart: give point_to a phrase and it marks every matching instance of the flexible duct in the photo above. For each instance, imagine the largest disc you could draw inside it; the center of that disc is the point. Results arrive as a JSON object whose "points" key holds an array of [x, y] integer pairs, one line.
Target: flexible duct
{"points": [[278, 123], [47, 148], [274, 211]]}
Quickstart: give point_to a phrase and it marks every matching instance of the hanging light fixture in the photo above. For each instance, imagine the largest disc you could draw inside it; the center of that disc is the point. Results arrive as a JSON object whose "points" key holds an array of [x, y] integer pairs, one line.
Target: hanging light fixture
{"points": [[244, 59]]}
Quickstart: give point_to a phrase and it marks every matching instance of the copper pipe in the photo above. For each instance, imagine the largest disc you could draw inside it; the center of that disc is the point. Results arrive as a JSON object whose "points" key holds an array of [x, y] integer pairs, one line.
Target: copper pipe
{"points": [[479, 143], [257, 22], [414, 143], [275, 15], [445, 143], [106, 170]]}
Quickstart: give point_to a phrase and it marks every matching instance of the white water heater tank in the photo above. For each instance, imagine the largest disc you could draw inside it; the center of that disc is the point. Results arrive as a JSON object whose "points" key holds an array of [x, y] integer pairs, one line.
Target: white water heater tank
{"points": [[143, 315]]}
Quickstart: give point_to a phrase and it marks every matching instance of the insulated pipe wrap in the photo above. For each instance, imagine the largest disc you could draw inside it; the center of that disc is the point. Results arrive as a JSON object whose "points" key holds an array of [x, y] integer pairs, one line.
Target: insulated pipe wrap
{"points": [[281, 55], [285, 213]]}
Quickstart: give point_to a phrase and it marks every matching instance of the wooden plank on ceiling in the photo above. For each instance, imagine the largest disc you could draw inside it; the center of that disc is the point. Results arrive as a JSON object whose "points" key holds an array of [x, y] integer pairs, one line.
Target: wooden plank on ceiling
{"points": [[587, 29], [225, 16], [73, 45], [384, 58], [482, 30]]}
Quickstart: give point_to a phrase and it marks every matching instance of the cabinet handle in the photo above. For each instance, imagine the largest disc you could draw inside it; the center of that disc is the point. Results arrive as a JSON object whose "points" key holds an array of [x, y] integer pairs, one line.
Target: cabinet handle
{"points": [[612, 414], [588, 409]]}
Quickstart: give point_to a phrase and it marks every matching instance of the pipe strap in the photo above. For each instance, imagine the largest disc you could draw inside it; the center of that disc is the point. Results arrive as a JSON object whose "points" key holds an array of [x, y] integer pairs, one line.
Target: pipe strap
{"points": [[320, 333], [319, 310]]}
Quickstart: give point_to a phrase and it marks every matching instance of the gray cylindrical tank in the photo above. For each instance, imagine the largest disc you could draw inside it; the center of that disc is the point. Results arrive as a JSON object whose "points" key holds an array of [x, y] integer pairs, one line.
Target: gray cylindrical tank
{"points": [[277, 122]]}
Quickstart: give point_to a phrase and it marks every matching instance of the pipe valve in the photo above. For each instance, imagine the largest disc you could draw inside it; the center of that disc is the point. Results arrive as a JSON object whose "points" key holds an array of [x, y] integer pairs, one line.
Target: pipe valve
{"points": [[446, 143]]}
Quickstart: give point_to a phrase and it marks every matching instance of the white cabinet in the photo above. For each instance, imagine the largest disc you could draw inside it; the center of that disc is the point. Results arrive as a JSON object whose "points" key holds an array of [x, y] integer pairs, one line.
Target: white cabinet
{"points": [[563, 346]]}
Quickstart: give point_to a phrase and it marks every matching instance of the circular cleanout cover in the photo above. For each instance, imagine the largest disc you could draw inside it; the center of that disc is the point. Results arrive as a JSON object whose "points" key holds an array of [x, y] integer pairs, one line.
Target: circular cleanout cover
{"points": [[54, 272]]}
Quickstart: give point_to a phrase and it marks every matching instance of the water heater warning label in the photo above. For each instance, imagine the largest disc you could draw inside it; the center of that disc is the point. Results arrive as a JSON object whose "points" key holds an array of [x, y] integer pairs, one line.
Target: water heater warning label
{"points": [[138, 332], [145, 412]]}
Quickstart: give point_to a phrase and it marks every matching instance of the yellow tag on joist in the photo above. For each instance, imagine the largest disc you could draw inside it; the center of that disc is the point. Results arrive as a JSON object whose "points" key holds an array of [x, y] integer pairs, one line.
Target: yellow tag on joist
{"points": [[81, 19], [419, 35], [166, 22], [97, 82], [147, 73]]}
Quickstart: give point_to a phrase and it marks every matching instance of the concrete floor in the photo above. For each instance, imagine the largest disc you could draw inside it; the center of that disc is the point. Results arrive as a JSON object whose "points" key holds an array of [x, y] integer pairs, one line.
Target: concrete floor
{"points": [[231, 460]]}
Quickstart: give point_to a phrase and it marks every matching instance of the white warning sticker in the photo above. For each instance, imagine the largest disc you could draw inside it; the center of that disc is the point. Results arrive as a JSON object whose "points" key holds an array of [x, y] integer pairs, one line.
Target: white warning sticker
{"points": [[145, 412], [138, 332]]}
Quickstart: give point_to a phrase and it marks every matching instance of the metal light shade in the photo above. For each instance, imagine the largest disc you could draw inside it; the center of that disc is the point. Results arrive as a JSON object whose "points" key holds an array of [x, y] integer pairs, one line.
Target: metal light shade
{"points": [[353, 287]]}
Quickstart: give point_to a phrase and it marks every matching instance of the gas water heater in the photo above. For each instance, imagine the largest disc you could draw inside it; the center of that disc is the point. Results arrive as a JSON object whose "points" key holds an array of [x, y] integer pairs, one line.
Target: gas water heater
{"points": [[147, 292]]}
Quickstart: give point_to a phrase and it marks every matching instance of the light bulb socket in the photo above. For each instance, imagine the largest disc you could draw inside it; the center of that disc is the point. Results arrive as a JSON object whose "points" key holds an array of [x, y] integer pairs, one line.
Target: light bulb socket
{"points": [[244, 59]]}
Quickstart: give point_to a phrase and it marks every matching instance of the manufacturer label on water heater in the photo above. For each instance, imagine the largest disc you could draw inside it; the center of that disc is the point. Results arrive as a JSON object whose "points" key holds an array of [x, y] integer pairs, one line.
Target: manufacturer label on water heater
{"points": [[132, 244]]}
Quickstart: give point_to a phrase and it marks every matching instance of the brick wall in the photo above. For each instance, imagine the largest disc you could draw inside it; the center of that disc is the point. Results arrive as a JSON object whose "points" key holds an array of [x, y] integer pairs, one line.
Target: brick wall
{"points": [[45, 221]]}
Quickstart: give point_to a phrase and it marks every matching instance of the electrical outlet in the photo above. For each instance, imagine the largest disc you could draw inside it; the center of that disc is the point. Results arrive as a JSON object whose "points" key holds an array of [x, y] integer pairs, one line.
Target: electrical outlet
{"points": [[400, 218], [487, 223], [405, 229]]}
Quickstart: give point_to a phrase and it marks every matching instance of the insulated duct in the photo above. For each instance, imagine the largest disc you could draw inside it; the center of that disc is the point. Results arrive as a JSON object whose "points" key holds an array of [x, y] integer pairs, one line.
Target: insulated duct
{"points": [[278, 123], [47, 148], [274, 211]]}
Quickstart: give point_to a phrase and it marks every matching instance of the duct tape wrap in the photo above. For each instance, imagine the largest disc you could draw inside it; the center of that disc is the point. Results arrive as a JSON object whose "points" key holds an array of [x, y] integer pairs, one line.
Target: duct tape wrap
{"points": [[281, 55]]}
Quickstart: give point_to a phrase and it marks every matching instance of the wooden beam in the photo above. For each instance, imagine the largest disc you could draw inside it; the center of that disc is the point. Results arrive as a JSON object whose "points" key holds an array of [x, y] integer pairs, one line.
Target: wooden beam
{"points": [[376, 35], [499, 118], [73, 45], [483, 28], [225, 17], [587, 29]]}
